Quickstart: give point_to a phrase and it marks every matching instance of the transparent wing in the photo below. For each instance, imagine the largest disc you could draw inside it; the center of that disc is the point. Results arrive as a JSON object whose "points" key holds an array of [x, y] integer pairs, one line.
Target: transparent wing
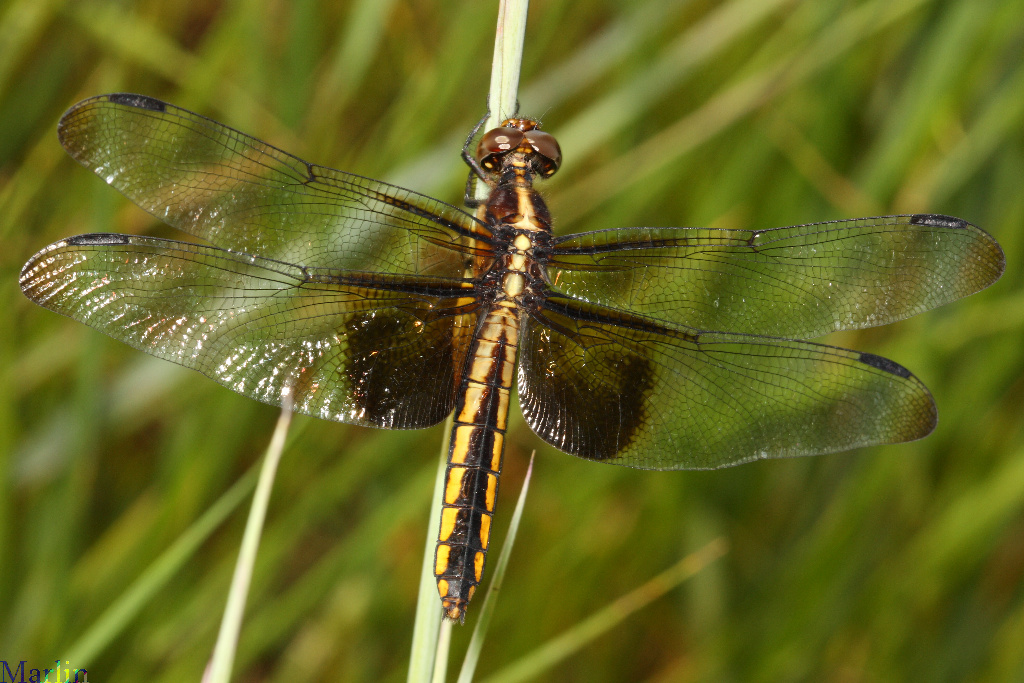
{"points": [[802, 281], [610, 386], [372, 350], [240, 193]]}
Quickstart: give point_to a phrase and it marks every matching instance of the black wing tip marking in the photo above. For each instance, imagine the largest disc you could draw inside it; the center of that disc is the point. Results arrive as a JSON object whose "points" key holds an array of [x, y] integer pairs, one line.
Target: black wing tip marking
{"points": [[884, 364], [939, 220], [97, 239], [137, 101]]}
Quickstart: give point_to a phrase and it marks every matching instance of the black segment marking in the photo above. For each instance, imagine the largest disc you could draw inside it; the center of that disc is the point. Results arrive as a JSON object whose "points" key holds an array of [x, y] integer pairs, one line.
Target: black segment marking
{"points": [[892, 367], [459, 567], [463, 522], [481, 448], [474, 532], [477, 495], [138, 101]]}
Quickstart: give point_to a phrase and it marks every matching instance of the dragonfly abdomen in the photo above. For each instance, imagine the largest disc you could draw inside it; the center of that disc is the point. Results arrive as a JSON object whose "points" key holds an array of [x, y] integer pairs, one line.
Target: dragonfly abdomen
{"points": [[474, 458]]}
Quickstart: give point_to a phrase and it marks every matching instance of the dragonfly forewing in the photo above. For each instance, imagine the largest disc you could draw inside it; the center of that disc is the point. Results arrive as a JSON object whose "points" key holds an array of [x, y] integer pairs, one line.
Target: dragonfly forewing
{"points": [[802, 281], [368, 350]]}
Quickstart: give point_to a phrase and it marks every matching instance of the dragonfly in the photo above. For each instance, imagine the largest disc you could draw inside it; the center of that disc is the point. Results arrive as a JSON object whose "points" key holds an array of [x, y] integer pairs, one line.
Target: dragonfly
{"points": [[373, 305]]}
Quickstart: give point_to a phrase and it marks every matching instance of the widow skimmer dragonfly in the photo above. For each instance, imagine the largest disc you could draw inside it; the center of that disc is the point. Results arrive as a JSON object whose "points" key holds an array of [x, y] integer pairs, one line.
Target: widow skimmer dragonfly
{"points": [[657, 348]]}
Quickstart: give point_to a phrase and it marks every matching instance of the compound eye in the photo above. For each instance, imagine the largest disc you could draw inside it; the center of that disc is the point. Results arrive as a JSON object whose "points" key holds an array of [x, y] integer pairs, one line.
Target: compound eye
{"points": [[545, 145], [495, 144]]}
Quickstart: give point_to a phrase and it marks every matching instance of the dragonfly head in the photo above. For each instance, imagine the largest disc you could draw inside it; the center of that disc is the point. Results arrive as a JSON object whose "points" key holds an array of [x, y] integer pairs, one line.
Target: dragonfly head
{"points": [[523, 137]]}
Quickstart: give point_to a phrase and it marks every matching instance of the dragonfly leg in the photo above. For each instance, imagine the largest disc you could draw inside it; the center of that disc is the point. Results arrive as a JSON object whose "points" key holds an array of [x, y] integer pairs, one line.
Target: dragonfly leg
{"points": [[475, 169]]}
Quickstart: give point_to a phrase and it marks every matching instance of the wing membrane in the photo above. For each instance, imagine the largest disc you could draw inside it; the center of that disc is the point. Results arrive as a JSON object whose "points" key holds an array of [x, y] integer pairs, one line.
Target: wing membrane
{"points": [[370, 350], [242, 194], [802, 281], [605, 385]]}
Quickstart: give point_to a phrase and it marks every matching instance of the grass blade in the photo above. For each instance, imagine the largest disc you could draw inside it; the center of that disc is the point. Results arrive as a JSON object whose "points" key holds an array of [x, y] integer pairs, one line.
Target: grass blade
{"points": [[587, 630], [425, 632], [227, 639], [476, 643], [116, 617]]}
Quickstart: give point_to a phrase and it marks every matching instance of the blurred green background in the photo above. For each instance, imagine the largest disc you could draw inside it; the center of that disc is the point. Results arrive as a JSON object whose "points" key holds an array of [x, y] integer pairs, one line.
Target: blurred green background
{"points": [[902, 563]]}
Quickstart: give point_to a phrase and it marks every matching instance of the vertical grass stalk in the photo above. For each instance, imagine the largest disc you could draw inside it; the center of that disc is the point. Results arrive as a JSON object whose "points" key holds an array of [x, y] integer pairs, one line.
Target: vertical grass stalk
{"points": [[219, 670]]}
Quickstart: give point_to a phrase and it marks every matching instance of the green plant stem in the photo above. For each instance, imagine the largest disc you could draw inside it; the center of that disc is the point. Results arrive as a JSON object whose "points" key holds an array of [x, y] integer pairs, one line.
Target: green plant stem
{"points": [[227, 639]]}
